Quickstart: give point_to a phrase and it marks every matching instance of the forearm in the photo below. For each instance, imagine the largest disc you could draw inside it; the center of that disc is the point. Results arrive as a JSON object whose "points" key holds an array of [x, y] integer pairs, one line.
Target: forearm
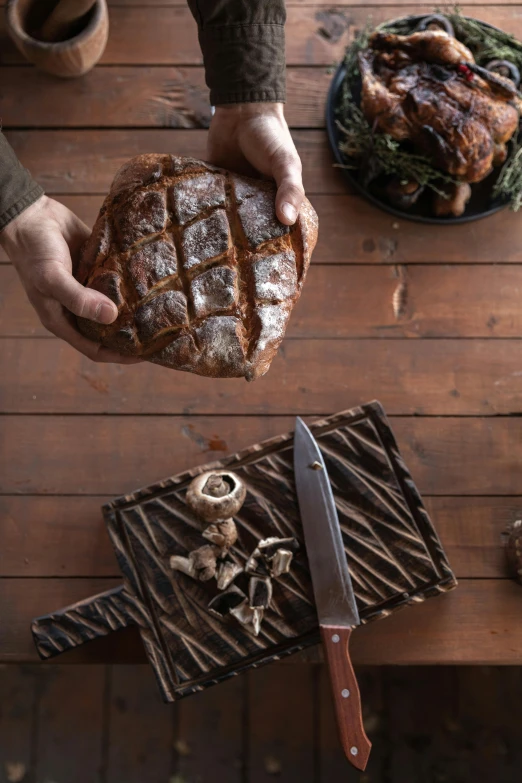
{"points": [[243, 45], [18, 190]]}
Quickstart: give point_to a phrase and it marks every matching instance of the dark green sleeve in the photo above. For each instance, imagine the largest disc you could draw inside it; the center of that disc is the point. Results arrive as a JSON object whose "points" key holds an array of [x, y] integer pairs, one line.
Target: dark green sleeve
{"points": [[18, 189], [243, 45]]}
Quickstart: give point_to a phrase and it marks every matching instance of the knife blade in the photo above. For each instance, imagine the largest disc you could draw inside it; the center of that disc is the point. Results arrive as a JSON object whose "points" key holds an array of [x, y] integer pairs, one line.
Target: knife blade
{"points": [[333, 590]]}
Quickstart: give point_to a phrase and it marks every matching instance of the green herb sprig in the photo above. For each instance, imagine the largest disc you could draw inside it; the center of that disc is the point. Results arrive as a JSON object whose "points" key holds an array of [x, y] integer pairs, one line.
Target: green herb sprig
{"points": [[486, 43]]}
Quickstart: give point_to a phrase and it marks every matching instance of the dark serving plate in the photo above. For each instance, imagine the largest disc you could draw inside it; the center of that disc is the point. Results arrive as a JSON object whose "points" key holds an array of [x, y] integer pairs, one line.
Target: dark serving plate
{"points": [[479, 206]]}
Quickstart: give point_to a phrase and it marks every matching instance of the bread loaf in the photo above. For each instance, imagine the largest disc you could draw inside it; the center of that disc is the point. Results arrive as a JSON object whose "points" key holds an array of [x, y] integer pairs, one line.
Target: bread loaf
{"points": [[203, 274]]}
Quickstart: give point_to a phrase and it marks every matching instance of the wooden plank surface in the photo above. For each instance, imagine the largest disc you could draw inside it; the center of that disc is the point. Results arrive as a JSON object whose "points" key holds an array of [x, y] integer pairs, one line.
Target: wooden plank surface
{"points": [[210, 734], [490, 714], [141, 728], [478, 623], [429, 729], [113, 455], [281, 730], [316, 35], [376, 238], [144, 97], [69, 742], [17, 723], [36, 532], [455, 377], [83, 161], [362, 302], [471, 729]]}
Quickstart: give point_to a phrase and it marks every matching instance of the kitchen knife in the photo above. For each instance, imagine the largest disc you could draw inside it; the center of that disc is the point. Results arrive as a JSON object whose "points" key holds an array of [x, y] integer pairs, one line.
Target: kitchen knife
{"points": [[333, 591]]}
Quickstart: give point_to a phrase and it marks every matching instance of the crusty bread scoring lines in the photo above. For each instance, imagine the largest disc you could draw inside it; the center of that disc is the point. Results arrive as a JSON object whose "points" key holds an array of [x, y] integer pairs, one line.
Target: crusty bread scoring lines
{"points": [[196, 222]]}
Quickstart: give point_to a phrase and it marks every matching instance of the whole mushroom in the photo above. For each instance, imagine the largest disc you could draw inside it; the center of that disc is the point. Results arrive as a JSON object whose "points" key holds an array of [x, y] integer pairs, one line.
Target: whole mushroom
{"points": [[403, 193], [454, 202], [216, 495]]}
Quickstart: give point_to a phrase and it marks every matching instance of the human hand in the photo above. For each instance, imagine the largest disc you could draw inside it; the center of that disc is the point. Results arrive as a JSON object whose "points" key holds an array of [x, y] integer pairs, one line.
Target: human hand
{"points": [[253, 139], [41, 243]]}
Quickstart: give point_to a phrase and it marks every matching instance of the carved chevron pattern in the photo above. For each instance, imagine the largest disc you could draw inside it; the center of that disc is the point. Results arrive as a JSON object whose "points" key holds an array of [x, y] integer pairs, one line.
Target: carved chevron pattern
{"points": [[392, 549]]}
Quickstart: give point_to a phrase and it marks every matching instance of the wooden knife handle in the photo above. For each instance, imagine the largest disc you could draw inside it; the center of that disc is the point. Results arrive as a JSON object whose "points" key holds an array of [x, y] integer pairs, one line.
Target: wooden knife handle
{"points": [[356, 744]]}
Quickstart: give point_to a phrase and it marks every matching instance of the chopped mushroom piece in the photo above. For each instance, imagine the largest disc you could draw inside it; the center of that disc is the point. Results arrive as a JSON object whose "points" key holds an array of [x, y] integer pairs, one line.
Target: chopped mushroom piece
{"points": [[281, 562], [222, 534], [260, 593], [223, 603], [183, 564], [227, 572], [269, 546], [204, 561], [250, 618], [216, 495], [255, 565], [257, 620]]}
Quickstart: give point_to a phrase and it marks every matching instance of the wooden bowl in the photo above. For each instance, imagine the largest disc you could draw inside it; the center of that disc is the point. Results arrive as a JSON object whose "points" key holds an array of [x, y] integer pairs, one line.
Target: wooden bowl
{"points": [[69, 58]]}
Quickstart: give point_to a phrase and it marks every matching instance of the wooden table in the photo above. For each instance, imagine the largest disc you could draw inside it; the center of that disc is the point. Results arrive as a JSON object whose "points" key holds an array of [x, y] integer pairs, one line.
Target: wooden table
{"points": [[428, 320]]}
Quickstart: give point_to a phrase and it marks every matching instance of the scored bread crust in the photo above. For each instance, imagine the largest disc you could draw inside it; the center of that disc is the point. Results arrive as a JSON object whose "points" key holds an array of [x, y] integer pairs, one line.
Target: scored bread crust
{"points": [[203, 274]]}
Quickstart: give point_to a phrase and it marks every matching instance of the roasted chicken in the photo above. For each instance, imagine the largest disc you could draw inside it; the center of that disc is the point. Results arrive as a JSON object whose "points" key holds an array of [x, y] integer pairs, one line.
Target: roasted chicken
{"points": [[426, 88]]}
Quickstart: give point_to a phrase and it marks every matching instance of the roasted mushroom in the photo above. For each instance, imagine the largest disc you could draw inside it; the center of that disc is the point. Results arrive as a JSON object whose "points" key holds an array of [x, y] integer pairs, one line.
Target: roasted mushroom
{"points": [[505, 68], [200, 564], [222, 534], [250, 618], [403, 193], [436, 22], [514, 548], [228, 569], [216, 495], [223, 603], [260, 593], [457, 196]]}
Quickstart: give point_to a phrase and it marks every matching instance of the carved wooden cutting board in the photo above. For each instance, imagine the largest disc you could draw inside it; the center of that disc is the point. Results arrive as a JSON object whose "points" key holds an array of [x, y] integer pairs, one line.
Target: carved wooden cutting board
{"points": [[393, 552]]}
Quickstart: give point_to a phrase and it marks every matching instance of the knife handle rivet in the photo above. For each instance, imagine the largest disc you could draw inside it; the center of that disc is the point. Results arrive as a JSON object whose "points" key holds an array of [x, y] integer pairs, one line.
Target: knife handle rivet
{"points": [[354, 751], [345, 694], [316, 465], [336, 638]]}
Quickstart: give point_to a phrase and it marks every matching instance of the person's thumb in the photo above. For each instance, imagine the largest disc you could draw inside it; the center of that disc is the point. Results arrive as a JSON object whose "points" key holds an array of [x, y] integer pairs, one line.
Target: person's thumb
{"points": [[287, 172], [56, 282]]}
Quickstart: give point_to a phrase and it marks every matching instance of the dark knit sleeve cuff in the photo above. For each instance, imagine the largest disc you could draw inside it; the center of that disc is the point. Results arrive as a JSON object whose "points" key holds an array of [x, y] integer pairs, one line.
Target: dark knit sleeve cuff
{"points": [[18, 190], [244, 63]]}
